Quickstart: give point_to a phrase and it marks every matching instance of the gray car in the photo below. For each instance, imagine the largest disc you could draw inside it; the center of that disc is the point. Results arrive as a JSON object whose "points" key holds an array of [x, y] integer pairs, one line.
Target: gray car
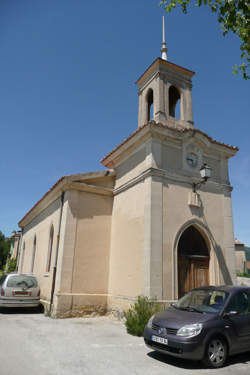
{"points": [[208, 323], [19, 290]]}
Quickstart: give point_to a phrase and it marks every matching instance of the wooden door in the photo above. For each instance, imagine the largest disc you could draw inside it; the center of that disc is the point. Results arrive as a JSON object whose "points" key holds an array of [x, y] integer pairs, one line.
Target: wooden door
{"points": [[183, 275], [200, 273], [193, 272]]}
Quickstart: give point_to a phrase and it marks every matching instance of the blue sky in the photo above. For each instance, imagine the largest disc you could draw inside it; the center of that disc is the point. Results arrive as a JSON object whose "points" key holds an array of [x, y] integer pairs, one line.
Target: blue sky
{"points": [[68, 95]]}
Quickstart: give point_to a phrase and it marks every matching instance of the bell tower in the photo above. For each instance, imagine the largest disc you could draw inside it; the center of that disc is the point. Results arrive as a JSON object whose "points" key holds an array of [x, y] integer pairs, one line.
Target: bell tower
{"points": [[161, 87]]}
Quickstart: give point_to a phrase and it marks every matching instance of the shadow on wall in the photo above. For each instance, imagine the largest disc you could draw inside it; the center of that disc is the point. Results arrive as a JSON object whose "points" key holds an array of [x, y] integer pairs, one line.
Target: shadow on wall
{"points": [[199, 211]]}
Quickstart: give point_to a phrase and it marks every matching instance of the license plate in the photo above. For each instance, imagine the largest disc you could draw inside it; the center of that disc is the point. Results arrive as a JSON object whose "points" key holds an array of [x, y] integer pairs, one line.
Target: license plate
{"points": [[21, 293], [160, 340]]}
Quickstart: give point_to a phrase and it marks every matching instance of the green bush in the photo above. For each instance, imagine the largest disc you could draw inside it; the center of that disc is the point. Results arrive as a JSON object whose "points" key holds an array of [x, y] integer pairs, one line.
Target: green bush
{"points": [[11, 265], [2, 273], [139, 314], [243, 274]]}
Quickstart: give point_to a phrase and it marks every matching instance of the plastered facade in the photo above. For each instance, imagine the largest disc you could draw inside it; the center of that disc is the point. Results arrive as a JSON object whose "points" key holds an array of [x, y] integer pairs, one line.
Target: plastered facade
{"points": [[120, 228]]}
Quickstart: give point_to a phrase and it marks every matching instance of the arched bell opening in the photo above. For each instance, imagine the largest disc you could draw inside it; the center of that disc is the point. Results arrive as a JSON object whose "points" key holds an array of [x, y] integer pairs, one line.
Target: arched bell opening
{"points": [[174, 102], [193, 261], [150, 104]]}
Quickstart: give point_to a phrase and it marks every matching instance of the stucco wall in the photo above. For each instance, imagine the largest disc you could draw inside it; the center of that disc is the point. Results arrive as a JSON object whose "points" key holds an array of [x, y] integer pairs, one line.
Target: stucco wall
{"points": [[240, 260], [91, 265], [132, 167], [83, 265], [127, 241], [176, 215], [40, 227], [171, 158]]}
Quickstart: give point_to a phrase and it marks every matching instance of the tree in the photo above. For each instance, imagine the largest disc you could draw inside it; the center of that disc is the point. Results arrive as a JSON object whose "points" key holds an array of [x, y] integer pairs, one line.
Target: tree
{"points": [[233, 15], [4, 249]]}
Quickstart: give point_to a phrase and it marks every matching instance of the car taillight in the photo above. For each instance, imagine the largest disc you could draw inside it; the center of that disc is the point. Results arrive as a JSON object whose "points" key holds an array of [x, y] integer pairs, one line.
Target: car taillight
{"points": [[38, 294], [2, 292]]}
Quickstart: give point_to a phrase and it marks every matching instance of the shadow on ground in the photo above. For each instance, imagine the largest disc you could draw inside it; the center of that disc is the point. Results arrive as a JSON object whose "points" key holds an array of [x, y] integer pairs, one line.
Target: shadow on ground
{"points": [[21, 310], [243, 358]]}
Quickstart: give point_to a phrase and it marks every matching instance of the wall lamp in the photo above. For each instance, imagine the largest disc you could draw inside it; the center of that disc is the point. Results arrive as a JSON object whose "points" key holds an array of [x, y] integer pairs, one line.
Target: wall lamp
{"points": [[205, 173]]}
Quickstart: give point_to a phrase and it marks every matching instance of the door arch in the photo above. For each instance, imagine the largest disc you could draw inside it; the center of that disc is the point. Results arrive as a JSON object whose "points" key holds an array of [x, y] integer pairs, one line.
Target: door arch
{"points": [[193, 260]]}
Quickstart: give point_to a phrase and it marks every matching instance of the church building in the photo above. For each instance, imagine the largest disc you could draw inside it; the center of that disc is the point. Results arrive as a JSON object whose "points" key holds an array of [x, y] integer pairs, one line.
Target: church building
{"points": [[157, 222]]}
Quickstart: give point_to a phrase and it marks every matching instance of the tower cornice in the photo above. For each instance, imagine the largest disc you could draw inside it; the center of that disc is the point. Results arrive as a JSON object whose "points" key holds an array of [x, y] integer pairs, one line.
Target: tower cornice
{"points": [[155, 66]]}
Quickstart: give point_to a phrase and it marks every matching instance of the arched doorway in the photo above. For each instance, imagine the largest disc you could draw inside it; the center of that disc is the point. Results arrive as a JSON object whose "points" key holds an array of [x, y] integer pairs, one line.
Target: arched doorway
{"points": [[193, 261]]}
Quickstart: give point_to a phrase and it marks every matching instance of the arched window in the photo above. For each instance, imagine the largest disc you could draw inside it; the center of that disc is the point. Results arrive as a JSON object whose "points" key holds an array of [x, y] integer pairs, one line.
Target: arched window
{"points": [[174, 102], [51, 237], [22, 261], [150, 105], [33, 255]]}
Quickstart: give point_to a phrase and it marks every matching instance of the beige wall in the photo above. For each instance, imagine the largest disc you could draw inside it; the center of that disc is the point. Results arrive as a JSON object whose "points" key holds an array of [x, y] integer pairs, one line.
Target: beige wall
{"points": [[91, 265], [171, 158], [83, 265], [39, 227], [177, 216], [132, 167], [240, 260], [127, 241]]}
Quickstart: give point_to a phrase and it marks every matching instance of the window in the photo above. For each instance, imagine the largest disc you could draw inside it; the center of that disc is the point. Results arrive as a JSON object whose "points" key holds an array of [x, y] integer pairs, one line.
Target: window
{"points": [[22, 280], [33, 255], [51, 237], [174, 102], [150, 104], [240, 302]]}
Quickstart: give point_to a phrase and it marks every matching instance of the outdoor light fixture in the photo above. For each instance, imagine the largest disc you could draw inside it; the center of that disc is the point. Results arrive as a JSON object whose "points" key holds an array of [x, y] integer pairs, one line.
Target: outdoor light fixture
{"points": [[205, 173]]}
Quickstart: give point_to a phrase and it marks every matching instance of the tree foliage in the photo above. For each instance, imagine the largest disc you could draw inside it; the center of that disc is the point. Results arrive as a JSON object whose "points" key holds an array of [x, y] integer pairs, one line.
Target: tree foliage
{"points": [[233, 15], [4, 249]]}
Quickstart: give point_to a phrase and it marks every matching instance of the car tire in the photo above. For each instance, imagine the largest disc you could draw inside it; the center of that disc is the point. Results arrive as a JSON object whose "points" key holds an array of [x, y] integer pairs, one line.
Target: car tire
{"points": [[216, 353]]}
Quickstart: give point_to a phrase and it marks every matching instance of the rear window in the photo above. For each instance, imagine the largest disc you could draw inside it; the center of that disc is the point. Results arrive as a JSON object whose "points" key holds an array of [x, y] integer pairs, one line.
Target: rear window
{"points": [[22, 281]]}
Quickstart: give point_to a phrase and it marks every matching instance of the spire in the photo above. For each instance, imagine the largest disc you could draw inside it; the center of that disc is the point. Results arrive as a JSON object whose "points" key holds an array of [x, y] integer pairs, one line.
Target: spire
{"points": [[163, 45]]}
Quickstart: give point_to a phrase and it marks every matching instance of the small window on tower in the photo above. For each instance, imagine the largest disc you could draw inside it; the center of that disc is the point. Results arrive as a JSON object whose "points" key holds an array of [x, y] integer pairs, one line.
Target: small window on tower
{"points": [[174, 102], [150, 103]]}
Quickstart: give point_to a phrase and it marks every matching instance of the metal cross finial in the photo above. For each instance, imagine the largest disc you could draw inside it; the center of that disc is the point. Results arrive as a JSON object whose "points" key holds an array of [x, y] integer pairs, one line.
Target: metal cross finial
{"points": [[163, 45]]}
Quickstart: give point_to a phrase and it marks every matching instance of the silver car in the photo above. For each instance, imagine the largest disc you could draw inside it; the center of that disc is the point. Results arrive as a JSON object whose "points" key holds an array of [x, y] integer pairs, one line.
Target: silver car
{"points": [[19, 290]]}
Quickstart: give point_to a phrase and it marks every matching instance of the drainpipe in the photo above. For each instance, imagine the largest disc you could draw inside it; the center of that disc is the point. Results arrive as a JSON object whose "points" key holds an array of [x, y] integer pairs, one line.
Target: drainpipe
{"points": [[56, 257]]}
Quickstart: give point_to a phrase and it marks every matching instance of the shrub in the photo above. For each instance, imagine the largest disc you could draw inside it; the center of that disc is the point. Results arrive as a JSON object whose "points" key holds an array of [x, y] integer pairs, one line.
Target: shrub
{"points": [[243, 274], [139, 314], [11, 265]]}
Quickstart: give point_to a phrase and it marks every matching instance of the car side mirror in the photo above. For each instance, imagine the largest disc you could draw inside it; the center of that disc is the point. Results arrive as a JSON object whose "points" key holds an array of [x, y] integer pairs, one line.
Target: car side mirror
{"points": [[231, 314]]}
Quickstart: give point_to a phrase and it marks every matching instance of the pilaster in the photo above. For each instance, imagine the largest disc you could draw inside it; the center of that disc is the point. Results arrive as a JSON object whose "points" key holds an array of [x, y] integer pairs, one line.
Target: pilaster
{"points": [[229, 251], [153, 237]]}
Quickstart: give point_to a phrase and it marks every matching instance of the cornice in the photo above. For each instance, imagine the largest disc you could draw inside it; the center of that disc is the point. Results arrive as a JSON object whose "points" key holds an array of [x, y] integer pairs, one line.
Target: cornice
{"points": [[172, 176], [95, 189], [62, 185], [159, 63]]}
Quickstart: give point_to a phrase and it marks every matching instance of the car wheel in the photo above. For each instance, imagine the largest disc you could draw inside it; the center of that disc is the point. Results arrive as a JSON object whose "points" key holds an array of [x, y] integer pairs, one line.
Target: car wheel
{"points": [[216, 353]]}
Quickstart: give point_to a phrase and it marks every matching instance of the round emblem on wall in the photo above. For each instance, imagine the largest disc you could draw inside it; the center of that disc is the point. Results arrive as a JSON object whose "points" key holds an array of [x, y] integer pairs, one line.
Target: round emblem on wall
{"points": [[192, 159]]}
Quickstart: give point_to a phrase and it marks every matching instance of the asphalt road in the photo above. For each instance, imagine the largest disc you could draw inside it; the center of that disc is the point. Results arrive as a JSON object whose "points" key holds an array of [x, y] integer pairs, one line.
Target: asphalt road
{"points": [[37, 345]]}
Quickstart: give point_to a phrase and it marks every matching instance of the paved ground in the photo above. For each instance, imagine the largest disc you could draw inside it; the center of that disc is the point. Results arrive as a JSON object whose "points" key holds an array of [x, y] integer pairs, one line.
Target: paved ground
{"points": [[37, 345]]}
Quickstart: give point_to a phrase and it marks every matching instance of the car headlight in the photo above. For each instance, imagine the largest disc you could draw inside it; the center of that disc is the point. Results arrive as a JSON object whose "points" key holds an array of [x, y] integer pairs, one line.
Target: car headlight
{"points": [[150, 322], [190, 330]]}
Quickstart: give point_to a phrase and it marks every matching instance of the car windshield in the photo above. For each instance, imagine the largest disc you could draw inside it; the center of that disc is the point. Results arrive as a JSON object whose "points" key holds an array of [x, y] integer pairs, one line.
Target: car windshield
{"points": [[203, 301], [22, 281]]}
